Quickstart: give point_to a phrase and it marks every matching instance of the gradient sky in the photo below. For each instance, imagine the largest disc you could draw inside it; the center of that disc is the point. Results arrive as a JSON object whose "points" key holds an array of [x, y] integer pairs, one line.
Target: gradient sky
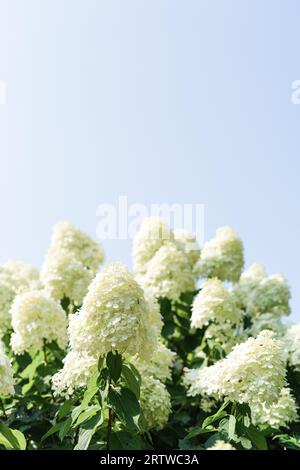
{"points": [[164, 101]]}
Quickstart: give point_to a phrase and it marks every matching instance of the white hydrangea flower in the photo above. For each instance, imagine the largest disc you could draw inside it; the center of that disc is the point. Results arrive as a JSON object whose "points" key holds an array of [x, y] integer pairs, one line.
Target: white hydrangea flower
{"points": [[253, 371], [169, 273], [214, 302], [67, 237], [187, 242], [113, 314], [261, 294], [15, 277], [291, 341], [278, 414], [207, 404], [152, 235], [155, 317], [155, 402], [222, 257], [160, 364], [36, 318], [64, 276], [78, 368], [114, 317], [71, 263], [221, 445], [6, 374], [266, 321]]}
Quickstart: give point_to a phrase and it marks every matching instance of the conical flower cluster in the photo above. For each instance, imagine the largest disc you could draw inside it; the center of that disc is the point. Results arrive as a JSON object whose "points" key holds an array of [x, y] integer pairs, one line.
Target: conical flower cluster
{"points": [[278, 414], [71, 263], [253, 371], [36, 319], [115, 316], [260, 294], [155, 402], [15, 277], [164, 260], [222, 256], [216, 303]]}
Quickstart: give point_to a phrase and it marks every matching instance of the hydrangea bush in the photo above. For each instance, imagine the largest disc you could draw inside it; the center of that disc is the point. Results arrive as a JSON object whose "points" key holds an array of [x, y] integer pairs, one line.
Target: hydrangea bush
{"points": [[187, 351]]}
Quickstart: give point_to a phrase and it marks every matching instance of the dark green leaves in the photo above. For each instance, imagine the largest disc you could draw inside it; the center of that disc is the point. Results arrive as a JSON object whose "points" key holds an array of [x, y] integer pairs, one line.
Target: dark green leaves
{"points": [[114, 365], [132, 378], [125, 405]]}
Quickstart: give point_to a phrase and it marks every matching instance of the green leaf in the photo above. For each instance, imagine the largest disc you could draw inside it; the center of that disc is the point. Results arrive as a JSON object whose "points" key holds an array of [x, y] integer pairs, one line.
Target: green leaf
{"points": [[114, 364], [197, 431], [131, 379], [12, 439], [189, 444], [87, 414], [92, 389], [231, 427], [65, 408], [125, 404], [246, 443], [218, 415], [54, 429], [291, 442], [100, 363], [87, 431], [123, 440], [256, 437], [65, 428]]}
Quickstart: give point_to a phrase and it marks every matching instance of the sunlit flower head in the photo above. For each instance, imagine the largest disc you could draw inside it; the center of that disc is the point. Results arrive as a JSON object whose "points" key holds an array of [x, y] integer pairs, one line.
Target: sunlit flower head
{"points": [[36, 319], [253, 371], [214, 302], [155, 402], [222, 256]]}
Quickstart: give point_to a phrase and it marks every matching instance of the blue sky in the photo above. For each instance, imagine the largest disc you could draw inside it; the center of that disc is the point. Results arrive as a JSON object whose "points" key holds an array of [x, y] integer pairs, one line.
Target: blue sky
{"points": [[163, 101]]}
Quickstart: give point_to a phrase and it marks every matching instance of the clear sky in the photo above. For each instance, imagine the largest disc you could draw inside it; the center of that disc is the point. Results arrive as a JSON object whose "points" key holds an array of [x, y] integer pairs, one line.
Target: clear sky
{"points": [[165, 101]]}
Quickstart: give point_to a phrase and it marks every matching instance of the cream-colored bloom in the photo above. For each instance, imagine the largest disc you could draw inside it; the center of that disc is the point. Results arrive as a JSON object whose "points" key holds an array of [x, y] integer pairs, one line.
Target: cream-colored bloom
{"points": [[164, 259], [70, 238], [291, 341], [78, 368], [6, 374], [64, 276], [222, 257], [15, 277], [207, 404], [266, 321], [214, 302], [221, 445], [36, 318], [152, 235], [278, 414], [188, 244], [155, 402], [261, 294], [169, 273], [253, 371], [160, 365], [155, 317], [114, 317], [71, 263]]}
